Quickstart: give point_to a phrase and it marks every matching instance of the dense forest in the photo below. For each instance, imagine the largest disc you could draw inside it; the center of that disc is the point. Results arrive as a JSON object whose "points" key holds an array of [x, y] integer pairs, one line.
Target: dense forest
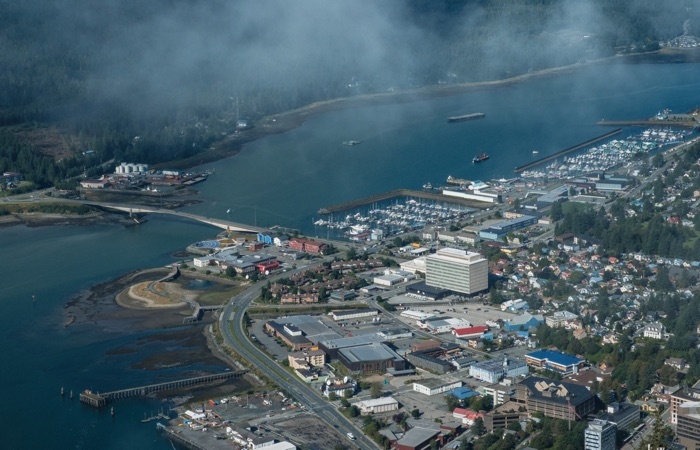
{"points": [[178, 73], [644, 227]]}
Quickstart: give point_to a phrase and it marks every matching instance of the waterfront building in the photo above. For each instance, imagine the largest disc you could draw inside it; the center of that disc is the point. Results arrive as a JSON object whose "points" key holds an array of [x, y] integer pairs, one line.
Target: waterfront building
{"points": [[600, 435], [553, 360], [494, 370], [457, 270], [307, 245]]}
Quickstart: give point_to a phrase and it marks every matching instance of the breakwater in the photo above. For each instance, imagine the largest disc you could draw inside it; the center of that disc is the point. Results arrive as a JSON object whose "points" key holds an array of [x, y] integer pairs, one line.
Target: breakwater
{"points": [[397, 193], [567, 150]]}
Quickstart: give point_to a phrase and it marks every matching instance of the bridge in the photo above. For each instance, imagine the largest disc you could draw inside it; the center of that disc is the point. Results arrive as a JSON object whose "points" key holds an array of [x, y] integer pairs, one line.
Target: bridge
{"points": [[139, 209], [98, 400]]}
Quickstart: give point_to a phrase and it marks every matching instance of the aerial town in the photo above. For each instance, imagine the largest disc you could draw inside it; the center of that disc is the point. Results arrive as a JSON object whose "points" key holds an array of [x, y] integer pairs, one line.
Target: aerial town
{"points": [[436, 325]]}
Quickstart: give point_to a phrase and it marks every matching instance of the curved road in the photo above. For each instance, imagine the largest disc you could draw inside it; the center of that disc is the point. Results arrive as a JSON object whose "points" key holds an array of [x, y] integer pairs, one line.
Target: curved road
{"points": [[235, 336]]}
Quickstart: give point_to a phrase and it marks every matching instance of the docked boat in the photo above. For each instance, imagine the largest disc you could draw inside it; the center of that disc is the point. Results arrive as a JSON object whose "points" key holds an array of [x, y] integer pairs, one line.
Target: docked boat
{"points": [[480, 158], [466, 117], [457, 181]]}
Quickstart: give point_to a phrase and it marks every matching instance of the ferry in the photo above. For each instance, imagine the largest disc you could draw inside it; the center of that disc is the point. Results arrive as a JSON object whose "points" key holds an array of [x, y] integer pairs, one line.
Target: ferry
{"points": [[480, 158]]}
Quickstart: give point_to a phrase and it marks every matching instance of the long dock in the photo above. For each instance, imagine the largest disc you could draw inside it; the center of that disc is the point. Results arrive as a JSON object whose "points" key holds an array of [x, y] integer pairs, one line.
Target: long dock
{"points": [[345, 206], [99, 400], [567, 150]]}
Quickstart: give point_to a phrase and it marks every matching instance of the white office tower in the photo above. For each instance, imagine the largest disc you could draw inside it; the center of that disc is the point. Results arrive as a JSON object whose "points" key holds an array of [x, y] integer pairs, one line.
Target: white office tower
{"points": [[600, 435], [457, 270]]}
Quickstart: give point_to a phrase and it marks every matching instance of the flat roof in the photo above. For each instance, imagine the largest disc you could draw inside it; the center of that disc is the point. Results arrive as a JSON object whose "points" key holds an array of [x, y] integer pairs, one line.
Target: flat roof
{"points": [[417, 436], [555, 357], [435, 382], [351, 341], [370, 352]]}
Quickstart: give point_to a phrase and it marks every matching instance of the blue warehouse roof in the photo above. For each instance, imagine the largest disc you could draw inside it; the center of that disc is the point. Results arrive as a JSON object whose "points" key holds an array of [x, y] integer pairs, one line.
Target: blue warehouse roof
{"points": [[555, 357]]}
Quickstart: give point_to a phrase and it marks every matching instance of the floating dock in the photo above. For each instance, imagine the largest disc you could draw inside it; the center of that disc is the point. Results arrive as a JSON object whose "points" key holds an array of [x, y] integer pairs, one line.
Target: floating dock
{"points": [[464, 117], [567, 150]]}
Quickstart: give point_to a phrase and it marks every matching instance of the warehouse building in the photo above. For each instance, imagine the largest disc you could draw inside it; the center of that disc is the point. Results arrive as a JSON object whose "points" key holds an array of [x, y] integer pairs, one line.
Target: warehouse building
{"points": [[353, 314], [372, 358], [434, 386], [377, 405]]}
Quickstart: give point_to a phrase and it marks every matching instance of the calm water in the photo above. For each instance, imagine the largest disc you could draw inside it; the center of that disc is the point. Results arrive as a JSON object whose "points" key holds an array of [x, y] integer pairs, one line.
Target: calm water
{"points": [[283, 180]]}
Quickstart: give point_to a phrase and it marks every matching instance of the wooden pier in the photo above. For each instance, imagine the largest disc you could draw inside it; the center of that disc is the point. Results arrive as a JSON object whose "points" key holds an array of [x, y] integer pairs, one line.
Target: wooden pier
{"points": [[99, 400]]}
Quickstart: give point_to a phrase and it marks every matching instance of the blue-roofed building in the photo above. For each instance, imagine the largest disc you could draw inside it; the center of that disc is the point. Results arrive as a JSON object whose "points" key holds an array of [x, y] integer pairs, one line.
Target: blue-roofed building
{"points": [[463, 393], [555, 361], [523, 322]]}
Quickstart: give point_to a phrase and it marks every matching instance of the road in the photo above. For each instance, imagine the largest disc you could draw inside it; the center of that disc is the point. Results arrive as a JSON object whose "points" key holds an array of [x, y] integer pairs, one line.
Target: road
{"points": [[234, 333]]}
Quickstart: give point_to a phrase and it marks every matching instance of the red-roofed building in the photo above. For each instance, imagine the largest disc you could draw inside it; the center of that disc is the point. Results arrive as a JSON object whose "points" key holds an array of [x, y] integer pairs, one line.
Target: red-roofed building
{"points": [[267, 266], [470, 332], [468, 416], [307, 245]]}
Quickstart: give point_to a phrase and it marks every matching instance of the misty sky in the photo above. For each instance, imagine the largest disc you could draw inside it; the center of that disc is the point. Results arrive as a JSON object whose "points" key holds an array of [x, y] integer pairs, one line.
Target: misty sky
{"points": [[168, 53]]}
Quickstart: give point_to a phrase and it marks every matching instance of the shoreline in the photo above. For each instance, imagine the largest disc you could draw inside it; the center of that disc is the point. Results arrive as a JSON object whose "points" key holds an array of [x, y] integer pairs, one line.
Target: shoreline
{"points": [[290, 120]]}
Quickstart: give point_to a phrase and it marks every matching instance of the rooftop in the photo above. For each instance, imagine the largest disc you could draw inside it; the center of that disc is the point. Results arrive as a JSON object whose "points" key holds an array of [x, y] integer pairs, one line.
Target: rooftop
{"points": [[555, 357]]}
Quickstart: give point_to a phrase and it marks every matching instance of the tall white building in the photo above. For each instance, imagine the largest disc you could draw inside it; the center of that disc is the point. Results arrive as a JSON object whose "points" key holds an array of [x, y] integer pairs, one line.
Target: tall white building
{"points": [[600, 435], [457, 270]]}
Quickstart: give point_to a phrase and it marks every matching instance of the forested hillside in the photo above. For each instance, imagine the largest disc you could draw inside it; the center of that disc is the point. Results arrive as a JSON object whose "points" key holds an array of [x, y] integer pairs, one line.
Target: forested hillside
{"points": [[177, 73]]}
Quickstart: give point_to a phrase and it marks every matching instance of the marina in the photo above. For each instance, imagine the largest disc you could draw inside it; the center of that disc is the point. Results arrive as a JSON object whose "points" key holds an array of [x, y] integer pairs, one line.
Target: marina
{"points": [[397, 216], [611, 154], [567, 150]]}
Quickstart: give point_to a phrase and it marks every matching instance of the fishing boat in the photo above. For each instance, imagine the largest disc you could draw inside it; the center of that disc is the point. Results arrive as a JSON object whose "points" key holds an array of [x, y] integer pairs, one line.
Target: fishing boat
{"points": [[480, 158]]}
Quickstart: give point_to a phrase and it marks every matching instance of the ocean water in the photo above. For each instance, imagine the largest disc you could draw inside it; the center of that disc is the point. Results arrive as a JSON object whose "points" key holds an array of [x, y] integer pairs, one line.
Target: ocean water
{"points": [[279, 180]]}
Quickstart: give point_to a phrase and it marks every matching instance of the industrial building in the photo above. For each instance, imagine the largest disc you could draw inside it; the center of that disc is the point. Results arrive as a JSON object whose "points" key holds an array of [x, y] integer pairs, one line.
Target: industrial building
{"points": [[497, 231], [457, 270], [377, 405], [433, 386], [600, 435], [431, 358], [494, 370], [290, 334], [353, 314], [372, 358]]}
